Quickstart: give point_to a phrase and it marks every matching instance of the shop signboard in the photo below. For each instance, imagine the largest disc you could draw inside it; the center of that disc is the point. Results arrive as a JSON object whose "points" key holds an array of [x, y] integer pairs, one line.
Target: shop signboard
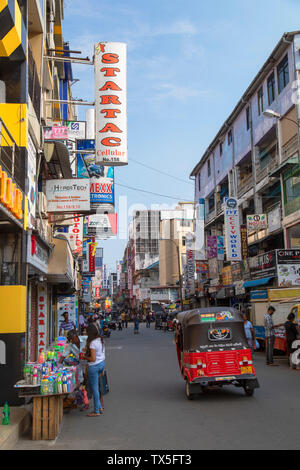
{"points": [[55, 132], [75, 234], [232, 229], [259, 294], [190, 263], [263, 265], [102, 190], [42, 317], [85, 284], [37, 254], [111, 103], [11, 197], [274, 219], [103, 225], [66, 304], [201, 267], [211, 246], [68, 195], [237, 271], [226, 276], [220, 247], [213, 267], [257, 222], [200, 253], [244, 242], [288, 268], [31, 180]]}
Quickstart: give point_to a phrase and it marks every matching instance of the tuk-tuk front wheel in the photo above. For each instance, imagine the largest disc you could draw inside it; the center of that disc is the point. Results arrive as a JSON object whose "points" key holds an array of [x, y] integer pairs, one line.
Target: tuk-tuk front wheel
{"points": [[188, 393]]}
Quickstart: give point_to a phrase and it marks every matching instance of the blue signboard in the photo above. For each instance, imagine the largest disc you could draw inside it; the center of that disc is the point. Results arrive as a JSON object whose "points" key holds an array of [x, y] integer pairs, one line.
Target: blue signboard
{"points": [[259, 295]]}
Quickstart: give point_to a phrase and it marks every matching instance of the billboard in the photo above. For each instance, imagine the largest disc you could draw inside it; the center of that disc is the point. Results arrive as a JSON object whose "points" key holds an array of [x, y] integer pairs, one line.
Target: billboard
{"points": [[257, 222], [288, 268], [103, 225], [111, 103], [68, 195], [65, 130]]}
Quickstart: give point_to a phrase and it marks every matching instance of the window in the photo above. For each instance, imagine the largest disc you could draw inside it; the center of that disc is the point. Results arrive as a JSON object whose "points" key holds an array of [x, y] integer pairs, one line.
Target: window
{"points": [[221, 149], [260, 100], [208, 168], [248, 118], [211, 204], [271, 88], [199, 182], [283, 74], [229, 137]]}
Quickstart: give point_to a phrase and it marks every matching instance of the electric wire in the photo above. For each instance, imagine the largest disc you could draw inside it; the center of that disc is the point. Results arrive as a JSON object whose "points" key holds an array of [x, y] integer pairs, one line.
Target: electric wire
{"points": [[155, 194], [160, 171]]}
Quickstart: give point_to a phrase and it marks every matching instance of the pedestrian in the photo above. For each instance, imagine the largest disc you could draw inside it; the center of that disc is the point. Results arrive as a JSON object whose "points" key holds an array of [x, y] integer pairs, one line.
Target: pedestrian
{"points": [[66, 325], [95, 355], [126, 319], [164, 321], [82, 324], [123, 319], [250, 333], [136, 323], [292, 334], [148, 320], [270, 336], [119, 323]]}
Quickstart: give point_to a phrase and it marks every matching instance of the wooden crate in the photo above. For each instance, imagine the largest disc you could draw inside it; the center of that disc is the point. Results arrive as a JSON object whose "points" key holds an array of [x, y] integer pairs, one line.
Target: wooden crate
{"points": [[47, 416]]}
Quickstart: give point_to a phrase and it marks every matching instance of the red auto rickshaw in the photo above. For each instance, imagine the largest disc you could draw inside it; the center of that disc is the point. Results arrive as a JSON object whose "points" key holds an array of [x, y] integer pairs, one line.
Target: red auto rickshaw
{"points": [[212, 350]]}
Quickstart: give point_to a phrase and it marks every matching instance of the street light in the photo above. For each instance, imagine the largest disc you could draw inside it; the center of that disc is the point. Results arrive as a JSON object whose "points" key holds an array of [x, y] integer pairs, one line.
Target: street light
{"points": [[269, 113]]}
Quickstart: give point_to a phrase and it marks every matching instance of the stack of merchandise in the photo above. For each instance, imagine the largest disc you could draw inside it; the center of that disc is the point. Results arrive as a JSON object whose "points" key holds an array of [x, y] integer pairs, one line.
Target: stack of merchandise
{"points": [[49, 376]]}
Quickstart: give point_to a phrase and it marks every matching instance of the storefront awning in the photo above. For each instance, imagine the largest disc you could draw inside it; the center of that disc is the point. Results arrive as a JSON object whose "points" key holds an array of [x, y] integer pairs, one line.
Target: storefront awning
{"points": [[58, 159], [290, 162], [258, 282]]}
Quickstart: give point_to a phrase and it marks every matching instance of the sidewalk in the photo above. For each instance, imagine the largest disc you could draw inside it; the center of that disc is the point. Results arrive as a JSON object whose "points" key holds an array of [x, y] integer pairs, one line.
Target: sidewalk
{"points": [[19, 423]]}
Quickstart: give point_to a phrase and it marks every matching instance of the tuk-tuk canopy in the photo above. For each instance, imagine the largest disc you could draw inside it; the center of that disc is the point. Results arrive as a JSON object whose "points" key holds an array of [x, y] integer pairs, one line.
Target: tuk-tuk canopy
{"points": [[201, 316], [216, 328]]}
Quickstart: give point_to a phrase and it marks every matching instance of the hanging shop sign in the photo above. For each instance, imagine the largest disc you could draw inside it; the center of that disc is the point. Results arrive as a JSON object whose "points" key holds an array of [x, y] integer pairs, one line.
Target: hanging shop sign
{"points": [[102, 190], [11, 197], [288, 268], [237, 271], [42, 317], [103, 225], [263, 265], [68, 195], [274, 219], [111, 103], [257, 222], [220, 247], [226, 276], [244, 242], [37, 255], [200, 252], [55, 132], [232, 230], [190, 263], [201, 267], [211, 246], [31, 178], [75, 234], [65, 130]]}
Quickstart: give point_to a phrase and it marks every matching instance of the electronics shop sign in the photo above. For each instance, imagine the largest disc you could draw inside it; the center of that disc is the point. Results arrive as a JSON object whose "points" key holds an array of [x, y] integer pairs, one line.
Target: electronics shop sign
{"points": [[263, 265], [71, 195]]}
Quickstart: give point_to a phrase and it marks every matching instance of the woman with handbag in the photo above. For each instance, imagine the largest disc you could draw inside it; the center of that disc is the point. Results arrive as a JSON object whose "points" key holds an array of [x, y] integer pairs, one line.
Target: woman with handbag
{"points": [[95, 355]]}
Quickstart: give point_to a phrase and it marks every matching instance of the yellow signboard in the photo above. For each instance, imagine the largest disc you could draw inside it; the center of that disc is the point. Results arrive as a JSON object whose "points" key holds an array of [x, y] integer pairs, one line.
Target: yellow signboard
{"points": [[280, 294], [11, 196]]}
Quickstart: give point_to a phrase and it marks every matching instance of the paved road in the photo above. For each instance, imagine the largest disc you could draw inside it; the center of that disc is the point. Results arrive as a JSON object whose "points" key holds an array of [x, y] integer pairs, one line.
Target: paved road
{"points": [[146, 407]]}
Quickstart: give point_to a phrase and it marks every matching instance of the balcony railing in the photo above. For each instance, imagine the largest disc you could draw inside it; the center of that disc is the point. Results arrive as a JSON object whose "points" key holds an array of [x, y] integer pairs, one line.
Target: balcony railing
{"points": [[261, 173], [10, 155], [34, 87], [245, 185]]}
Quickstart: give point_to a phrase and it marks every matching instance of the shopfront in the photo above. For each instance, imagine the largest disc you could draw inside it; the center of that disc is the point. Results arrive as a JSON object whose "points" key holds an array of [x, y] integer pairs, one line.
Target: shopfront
{"points": [[13, 295]]}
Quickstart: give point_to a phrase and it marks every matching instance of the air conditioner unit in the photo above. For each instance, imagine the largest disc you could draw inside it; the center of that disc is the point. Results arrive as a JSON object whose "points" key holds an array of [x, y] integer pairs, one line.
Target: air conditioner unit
{"points": [[218, 188], [245, 205]]}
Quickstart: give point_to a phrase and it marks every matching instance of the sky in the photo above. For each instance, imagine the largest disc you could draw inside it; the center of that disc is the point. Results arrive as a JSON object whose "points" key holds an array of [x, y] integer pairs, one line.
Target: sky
{"points": [[188, 64]]}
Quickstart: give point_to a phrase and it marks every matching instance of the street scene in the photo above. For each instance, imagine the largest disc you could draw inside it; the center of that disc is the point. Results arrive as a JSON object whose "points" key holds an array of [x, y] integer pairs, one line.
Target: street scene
{"points": [[149, 228]]}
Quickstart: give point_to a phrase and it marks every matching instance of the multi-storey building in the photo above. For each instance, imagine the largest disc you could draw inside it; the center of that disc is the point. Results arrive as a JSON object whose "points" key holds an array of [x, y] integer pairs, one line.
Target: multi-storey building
{"points": [[255, 158]]}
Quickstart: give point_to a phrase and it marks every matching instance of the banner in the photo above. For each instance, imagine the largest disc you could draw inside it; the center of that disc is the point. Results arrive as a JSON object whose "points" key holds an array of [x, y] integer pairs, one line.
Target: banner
{"points": [[232, 230], [200, 253], [101, 190], [244, 241], [42, 317], [220, 247], [75, 234], [68, 195], [111, 103], [212, 246], [288, 268], [103, 225], [65, 130], [190, 288]]}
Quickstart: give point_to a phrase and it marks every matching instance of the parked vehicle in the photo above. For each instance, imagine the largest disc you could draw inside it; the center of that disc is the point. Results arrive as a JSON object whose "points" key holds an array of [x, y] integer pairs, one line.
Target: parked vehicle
{"points": [[106, 331], [212, 349], [157, 321]]}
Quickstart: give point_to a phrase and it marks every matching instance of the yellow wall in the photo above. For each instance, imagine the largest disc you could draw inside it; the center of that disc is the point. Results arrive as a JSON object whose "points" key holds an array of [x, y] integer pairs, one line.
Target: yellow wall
{"points": [[15, 117], [13, 309]]}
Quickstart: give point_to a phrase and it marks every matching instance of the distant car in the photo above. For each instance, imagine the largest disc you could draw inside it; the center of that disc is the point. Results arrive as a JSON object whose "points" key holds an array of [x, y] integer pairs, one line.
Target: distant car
{"points": [[95, 170]]}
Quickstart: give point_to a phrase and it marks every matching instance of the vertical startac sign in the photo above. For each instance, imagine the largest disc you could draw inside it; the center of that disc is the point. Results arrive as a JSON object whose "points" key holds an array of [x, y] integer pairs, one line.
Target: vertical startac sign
{"points": [[232, 230], [111, 104]]}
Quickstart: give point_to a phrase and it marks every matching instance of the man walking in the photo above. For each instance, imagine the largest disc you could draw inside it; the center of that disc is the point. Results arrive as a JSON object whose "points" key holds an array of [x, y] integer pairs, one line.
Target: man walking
{"points": [[270, 336], [148, 320]]}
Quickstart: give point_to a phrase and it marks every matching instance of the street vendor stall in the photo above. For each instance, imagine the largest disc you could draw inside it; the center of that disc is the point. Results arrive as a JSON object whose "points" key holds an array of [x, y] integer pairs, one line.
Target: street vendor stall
{"points": [[47, 382]]}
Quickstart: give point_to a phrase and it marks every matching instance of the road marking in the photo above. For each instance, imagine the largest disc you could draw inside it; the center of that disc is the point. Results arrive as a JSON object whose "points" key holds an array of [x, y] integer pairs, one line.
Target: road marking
{"points": [[114, 347]]}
